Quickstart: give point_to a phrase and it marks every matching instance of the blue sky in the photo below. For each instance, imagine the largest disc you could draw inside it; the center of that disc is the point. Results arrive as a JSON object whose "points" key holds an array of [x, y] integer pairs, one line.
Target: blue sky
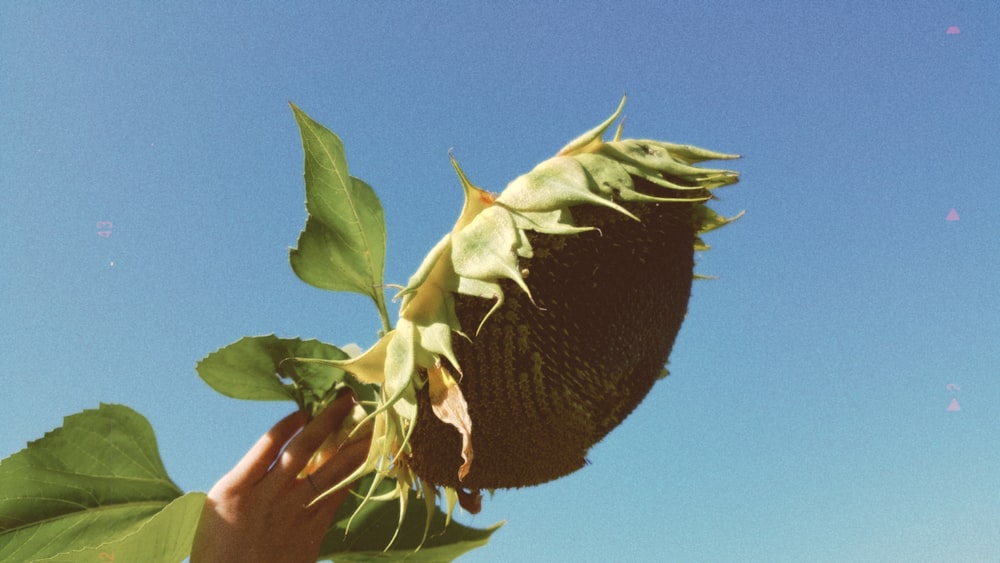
{"points": [[806, 415]]}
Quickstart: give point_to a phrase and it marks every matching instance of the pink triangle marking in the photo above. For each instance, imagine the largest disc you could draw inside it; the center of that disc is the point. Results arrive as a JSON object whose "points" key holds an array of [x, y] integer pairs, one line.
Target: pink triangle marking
{"points": [[952, 215], [953, 30], [953, 405]]}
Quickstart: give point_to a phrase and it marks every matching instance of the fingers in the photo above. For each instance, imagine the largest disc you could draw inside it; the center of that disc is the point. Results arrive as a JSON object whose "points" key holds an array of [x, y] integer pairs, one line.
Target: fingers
{"points": [[309, 440], [254, 465], [341, 465]]}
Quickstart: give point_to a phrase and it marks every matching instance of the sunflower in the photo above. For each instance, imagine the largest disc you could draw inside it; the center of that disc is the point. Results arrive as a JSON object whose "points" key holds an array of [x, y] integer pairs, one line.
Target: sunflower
{"points": [[542, 319]]}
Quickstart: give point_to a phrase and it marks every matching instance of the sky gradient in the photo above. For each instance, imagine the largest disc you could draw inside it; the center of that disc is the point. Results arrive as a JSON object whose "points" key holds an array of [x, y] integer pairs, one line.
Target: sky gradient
{"points": [[806, 415]]}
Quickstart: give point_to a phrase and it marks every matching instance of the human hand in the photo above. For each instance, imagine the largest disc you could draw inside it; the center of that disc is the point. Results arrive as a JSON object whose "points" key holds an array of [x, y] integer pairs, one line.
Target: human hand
{"points": [[257, 512]]}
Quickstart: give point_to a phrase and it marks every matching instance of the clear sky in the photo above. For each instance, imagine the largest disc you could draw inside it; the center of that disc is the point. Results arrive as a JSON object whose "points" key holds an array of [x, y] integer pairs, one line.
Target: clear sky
{"points": [[806, 417]]}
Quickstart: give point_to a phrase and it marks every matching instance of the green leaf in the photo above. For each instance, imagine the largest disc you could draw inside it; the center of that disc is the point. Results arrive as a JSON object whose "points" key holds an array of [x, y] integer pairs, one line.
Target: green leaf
{"points": [[343, 245], [260, 368], [97, 486], [164, 538], [374, 525]]}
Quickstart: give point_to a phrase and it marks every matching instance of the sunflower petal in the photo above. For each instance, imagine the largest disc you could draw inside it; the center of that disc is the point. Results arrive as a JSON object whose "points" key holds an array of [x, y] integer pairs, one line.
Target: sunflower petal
{"points": [[449, 406]]}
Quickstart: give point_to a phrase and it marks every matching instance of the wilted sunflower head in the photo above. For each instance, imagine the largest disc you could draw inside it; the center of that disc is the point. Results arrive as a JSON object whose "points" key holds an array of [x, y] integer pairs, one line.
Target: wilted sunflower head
{"points": [[544, 317]]}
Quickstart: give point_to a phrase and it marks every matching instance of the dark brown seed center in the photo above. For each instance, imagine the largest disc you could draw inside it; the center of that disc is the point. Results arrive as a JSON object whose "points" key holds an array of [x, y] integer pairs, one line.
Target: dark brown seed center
{"points": [[544, 383]]}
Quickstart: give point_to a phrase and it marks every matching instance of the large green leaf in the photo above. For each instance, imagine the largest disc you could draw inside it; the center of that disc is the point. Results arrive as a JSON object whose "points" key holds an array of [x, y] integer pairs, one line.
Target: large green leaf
{"points": [[96, 485], [166, 537], [372, 529], [260, 368], [343, 245]]}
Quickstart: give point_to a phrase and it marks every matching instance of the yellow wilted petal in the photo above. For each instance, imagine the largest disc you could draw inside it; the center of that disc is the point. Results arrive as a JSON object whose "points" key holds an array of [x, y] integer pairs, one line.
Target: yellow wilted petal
{"points": [[476, 199], [557, 222], [488, 248], [556, 183], [401, 369], [591, 140], [449, 406], [436, 341], [423, 298], [369, 367]]}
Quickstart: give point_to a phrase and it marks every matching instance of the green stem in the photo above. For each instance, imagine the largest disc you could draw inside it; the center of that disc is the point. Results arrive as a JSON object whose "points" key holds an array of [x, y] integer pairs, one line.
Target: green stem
{"points": [[379, 299]]}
